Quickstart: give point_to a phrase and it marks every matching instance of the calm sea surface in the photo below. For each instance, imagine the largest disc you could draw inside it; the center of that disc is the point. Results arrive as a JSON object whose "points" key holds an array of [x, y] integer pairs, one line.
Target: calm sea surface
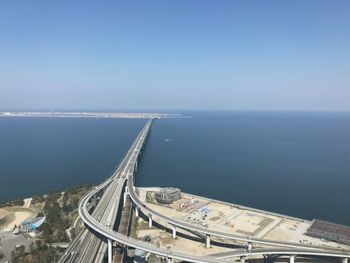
{"points": [[292, 163]]}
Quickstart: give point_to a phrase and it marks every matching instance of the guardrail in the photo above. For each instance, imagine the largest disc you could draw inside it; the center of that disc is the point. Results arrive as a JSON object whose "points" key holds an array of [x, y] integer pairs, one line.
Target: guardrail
{"points": [[127, 175], [172, 221]]}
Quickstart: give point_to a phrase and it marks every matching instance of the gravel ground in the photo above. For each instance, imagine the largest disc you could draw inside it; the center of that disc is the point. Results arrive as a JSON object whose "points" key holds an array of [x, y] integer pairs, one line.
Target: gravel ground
{"points": [[8, 242]]}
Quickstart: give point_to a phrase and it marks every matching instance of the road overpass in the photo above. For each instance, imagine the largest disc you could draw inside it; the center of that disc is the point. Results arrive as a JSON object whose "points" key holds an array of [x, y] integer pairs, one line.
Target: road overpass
{"points": [[151, 213], [88, 247], [100, 223]]}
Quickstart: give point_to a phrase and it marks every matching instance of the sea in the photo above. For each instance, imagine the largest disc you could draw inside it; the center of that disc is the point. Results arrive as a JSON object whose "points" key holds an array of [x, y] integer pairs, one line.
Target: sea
{"points": [[293, 163]]}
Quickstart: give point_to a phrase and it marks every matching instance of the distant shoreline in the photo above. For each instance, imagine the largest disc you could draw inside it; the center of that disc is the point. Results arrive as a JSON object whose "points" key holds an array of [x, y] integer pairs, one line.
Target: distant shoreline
{"points": [[110, 115]]}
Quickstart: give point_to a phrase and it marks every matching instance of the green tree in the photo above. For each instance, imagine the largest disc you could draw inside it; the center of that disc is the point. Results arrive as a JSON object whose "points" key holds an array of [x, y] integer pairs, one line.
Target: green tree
{"points": [[38, 244], [31, 247], [21, 250]]}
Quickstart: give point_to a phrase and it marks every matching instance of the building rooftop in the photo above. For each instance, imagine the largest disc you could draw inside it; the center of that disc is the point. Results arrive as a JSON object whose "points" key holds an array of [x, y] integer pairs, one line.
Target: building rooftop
{"points": [[34, 223]]}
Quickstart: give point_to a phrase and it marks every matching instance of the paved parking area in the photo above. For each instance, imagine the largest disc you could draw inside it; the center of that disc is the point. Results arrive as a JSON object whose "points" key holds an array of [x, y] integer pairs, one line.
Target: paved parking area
{"points": [[8, 242]]}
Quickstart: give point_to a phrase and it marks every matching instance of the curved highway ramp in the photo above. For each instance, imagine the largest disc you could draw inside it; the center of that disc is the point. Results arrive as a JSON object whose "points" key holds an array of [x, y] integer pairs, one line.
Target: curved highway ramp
{"points": [[95, 242]]}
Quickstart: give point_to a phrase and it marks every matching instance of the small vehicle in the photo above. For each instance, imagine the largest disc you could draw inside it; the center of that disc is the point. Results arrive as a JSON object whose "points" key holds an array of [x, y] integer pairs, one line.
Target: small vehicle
{"points": [[16, 231]]}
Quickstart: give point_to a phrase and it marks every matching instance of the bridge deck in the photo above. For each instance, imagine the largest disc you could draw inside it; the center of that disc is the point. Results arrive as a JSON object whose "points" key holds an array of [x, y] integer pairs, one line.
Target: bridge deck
{"points": [[106, 232]]}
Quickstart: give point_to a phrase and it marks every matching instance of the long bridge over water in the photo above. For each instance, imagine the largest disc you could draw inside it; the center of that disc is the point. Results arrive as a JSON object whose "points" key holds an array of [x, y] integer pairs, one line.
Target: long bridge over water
{"points": [[108, 205]]}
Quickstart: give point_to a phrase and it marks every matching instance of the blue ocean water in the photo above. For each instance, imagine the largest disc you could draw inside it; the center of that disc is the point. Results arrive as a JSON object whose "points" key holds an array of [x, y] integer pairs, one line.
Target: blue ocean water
{"points": [[292, 163], [42, 154]]}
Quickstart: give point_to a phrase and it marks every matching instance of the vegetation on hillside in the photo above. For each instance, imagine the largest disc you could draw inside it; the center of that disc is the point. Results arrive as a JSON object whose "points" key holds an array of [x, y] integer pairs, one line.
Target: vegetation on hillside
{"points": [[60, 210], [17, 202], [37, 252]]}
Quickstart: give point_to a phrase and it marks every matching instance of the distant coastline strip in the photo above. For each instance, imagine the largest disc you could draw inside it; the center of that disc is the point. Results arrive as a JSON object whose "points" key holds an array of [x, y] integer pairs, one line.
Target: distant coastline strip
{"points": [[110, 115]]}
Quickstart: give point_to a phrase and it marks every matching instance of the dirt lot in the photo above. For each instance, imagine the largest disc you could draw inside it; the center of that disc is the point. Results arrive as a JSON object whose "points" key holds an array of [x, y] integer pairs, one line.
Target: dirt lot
{"points": [[14, 216]]}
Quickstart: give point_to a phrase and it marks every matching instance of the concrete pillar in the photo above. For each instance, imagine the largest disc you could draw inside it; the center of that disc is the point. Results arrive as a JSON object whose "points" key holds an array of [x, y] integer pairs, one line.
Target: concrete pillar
{"points": [[110, 252], [150, 221], [242, 260], [94, 200], [174, 232], [169, 260], [291, 259], [136, 211], [124, 198], [207, 241], [126, 189], [344, 260], [249, 247], [136, 166]]}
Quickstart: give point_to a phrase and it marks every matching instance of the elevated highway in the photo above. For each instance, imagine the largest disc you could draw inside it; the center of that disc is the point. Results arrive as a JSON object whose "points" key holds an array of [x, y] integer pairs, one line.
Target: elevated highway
{"points": [[87, 246], [152, 214], [101, 222], [115, 236]]}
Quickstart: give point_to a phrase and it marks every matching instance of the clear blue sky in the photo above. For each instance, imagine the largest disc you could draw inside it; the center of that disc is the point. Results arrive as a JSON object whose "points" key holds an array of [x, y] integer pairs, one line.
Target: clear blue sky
{"points": [[236, 55]]}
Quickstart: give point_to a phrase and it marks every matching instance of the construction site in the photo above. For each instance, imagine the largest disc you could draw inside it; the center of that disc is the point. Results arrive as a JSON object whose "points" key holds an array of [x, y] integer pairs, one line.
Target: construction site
{"points": [[228, 218]]}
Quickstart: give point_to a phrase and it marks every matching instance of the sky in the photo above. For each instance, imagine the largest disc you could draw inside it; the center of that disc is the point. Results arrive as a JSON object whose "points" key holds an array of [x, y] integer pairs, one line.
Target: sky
{"points": [[175, 55]]}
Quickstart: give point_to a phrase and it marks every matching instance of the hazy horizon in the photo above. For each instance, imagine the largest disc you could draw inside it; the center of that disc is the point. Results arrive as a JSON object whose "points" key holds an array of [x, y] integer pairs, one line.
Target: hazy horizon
{"points": [[177, 111], [183, 55]]}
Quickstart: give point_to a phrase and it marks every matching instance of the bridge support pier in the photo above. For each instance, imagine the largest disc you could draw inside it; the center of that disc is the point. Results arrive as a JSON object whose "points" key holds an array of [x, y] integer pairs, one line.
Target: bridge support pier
{"points": [[344, 260], [267, 258], [136, 211], [207, 241], [242, 259], [110, 252], [249, 247], [174, 232], [149, 221], [124, 198], [94, 200], [125, 195], [292, 259]]}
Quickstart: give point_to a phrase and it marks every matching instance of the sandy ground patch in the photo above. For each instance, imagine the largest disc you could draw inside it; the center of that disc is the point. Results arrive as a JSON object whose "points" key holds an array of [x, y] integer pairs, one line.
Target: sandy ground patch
{"points": [[15, 216], [237, 220]]}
